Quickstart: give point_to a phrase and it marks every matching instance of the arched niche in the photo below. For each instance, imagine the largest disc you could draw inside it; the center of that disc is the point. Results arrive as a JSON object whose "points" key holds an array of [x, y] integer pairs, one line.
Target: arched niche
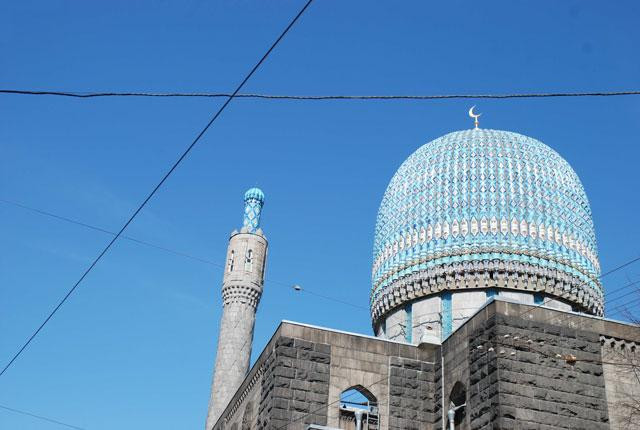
{"points": [[457, 403], [358, 409]]}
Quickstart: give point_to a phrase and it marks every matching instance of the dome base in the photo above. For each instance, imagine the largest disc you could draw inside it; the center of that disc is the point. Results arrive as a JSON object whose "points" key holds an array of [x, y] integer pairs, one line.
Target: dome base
{"points": [[431, 319], [515, 276]]}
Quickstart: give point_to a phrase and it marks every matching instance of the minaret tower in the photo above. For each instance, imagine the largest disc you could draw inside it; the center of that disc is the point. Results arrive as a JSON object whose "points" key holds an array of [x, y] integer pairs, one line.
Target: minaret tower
{"points": [[241, 291]]}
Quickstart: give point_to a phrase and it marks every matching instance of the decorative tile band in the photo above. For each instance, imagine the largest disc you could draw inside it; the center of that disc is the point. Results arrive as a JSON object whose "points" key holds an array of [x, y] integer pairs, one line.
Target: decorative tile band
{"points": [[477, 196], [412, 285], [466, 233]]}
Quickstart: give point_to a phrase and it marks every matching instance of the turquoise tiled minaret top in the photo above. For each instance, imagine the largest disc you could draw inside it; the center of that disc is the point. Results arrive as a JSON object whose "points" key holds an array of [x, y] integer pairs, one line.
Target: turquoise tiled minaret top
{"points": [[485, 195], [253, 202]]}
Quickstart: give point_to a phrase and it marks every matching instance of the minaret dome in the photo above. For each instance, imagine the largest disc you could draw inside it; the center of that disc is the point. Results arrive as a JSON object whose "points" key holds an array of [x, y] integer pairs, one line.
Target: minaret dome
{"points": [[253, 202]]}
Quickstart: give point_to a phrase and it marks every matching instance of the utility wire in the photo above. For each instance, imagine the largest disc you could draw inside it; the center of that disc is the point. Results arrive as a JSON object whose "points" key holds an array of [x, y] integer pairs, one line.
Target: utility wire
{"points": [[547, 301], [171, 251], [157, 187], [608, 296], [85, 95], [613, 311], [40, 417], [610, 300], [112, 233], [624, 306], [622, 266]]}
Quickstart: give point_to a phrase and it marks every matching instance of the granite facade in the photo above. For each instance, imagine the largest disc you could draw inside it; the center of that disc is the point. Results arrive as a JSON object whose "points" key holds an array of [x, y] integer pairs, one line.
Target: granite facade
{"points": [[514, 366], [413, 402], [302, 372]]}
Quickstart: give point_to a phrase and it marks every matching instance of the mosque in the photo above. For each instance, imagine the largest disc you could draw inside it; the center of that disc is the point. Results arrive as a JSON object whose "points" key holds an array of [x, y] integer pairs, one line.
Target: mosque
{"points": [[486, 308]]}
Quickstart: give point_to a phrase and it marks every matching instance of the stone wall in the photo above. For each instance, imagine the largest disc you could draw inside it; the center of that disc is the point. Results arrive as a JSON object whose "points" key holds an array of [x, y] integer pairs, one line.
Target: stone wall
{"points": [[413, 400], [516, 364], [519, 366], [301, 374], [295, 388], [244, 409], [537, 386], [621, 365], [456, 368]]}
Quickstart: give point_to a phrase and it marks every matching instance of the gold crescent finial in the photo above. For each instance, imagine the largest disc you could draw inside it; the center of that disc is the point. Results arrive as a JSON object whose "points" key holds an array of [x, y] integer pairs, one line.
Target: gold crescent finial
{"points": [[475, 116]]}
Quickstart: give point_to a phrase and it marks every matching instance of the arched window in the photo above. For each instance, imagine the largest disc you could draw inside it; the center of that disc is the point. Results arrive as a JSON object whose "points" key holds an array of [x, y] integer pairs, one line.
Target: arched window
{"points": [[230, 263], [457, 404], [358, 409], [248, 261]]}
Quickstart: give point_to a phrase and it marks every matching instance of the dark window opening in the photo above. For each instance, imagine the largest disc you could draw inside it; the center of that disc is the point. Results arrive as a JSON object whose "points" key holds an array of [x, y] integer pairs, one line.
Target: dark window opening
{"points": [[457, 403], [358, 409]]}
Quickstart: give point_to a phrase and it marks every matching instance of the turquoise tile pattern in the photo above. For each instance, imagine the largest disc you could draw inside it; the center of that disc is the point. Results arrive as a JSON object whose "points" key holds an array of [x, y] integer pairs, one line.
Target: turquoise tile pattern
{"points": [[253, 202], [477, 195], [447, 315]]}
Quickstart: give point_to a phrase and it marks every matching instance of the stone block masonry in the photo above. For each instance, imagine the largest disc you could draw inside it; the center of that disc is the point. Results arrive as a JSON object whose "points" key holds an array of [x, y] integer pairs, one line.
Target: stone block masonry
{"points": [[413, 400], [300, 375], [295, 387], [506, 364], [511, 364], [241, 291]]}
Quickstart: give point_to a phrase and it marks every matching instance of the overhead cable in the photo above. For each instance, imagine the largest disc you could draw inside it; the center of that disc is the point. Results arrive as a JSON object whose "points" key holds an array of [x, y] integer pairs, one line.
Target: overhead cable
{"points": [[98, 94], [158, 185], [172, 251], [607, 296], [622, 266], [40, 417]]}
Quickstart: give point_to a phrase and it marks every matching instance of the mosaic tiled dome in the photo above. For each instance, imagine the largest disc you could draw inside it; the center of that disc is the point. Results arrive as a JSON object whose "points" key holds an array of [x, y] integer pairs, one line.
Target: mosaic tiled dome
{"points": [[491, 202]]}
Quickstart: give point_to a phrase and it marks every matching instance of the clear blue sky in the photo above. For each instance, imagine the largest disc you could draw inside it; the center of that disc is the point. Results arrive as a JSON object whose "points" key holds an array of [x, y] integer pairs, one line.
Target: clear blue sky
{"points": [[134, 348]]}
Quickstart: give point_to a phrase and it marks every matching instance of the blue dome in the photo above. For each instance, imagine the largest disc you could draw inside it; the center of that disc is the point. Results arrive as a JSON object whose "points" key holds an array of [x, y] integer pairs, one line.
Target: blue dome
{"points": [[253, 202], [254, 194], [485, 196]]}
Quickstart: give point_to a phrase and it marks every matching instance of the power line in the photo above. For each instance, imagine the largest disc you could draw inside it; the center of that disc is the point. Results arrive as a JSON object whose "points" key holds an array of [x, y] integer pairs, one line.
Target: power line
{"points": [[544, 302], [344, 302], [549, 298], [40, 417], [622, 266], [157, 187], [170, 250], [98, 94], [213, 263], [624, 306], [604, 296], [569, 314], [269, 280], [621, 289], [109, 232]]}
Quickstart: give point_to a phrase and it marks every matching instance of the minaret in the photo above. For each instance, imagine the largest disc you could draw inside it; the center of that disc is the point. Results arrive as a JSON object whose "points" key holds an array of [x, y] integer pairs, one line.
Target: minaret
{"points": [[241, 291]]}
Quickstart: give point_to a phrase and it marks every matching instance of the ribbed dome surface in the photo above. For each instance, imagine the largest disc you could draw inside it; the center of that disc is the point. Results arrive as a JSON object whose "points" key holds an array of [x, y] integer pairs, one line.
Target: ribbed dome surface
{"points": [[254, 194], [486, 195]]}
